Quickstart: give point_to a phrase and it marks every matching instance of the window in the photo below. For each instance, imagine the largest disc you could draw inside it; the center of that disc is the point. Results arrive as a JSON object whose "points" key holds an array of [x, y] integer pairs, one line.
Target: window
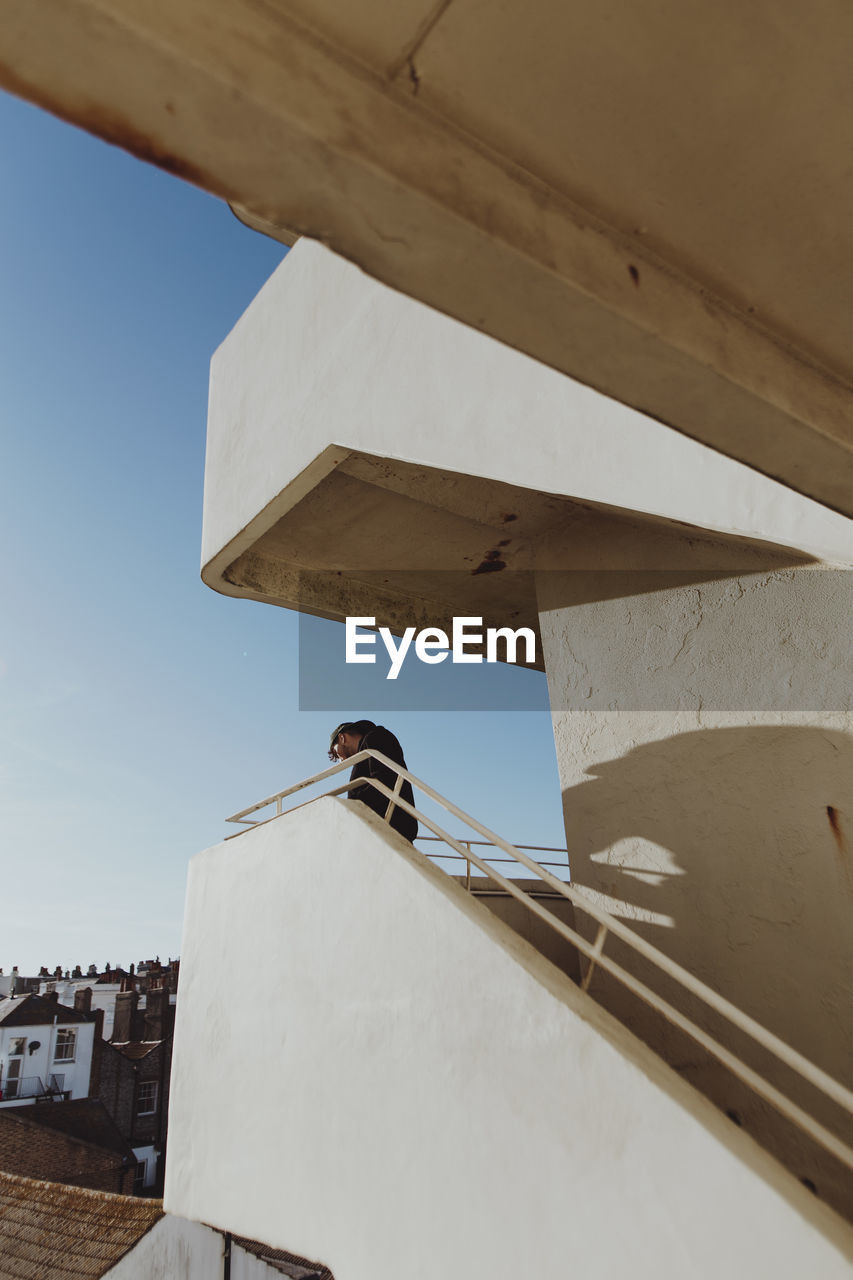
{"points": [[66, 1042], [146, 1098], [139, 1177], [17, 1047]]}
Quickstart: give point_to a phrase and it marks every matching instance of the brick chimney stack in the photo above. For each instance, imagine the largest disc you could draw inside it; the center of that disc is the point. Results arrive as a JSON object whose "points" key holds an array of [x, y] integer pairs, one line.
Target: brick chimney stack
{"points": [[125, 1016], [83, 1000], [156, 1013], [97, 1055]]}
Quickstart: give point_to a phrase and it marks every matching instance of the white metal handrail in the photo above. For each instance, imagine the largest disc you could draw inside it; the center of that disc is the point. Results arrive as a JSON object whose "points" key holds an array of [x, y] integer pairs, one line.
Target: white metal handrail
{"points": [[487, 844], [594, 951], [530, 848]]}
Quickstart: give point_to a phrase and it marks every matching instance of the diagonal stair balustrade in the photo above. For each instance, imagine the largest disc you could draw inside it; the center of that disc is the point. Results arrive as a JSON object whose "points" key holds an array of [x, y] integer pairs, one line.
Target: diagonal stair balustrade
{"points": [[593, 951]]}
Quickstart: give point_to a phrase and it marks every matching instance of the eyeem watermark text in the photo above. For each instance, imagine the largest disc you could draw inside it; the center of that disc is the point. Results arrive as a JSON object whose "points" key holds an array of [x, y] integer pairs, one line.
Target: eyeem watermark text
{"points": [[433, 645]]}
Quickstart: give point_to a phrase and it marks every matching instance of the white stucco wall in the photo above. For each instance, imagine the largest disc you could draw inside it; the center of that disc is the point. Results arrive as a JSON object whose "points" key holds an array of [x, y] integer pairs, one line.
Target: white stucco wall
{"points": [[177, 1249], [704, 737], [174, 1249], [428, 1096], [326, 356]]}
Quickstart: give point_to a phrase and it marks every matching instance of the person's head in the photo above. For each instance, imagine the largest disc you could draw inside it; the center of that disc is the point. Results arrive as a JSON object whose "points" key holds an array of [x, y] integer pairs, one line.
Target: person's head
{"points": [[346, 738]]}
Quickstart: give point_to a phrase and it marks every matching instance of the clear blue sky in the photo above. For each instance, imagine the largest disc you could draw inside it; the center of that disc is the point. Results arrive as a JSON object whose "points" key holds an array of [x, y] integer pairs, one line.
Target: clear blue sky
{"points": [[137, 707]]}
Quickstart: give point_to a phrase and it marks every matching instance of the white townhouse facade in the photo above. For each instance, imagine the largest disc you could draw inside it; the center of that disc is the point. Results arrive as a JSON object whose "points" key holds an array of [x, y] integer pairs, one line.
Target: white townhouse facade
{"points": [[45, 1051]]}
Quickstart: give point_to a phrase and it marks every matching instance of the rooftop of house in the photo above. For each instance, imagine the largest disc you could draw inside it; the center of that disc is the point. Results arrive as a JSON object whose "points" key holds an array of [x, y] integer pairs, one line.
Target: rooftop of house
{"points": [[135, 1048], [49, 1229], [85, 1119], [288, 1264], [67, 1233], [34, 1011]]}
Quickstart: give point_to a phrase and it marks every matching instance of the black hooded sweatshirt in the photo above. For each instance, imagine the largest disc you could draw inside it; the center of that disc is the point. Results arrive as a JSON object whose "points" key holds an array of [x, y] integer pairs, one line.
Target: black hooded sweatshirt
{"points": [[382, 739]]}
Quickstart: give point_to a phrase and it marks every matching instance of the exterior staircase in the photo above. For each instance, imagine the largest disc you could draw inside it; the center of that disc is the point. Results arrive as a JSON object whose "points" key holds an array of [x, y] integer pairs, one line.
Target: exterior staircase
{"points": [[439, 1097]]}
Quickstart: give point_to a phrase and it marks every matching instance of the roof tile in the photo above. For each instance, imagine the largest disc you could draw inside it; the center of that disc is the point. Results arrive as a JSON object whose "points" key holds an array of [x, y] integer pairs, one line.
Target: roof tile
{"points": [[48, 1229]]}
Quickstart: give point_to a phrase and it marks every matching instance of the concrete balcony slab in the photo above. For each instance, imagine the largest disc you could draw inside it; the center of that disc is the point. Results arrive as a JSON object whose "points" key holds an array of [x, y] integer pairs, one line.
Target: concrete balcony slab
{"points": [[367, 456]]}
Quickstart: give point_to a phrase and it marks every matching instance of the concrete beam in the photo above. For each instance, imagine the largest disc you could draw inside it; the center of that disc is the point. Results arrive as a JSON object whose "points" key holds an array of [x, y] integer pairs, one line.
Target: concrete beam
{"points": [[321, 135]]}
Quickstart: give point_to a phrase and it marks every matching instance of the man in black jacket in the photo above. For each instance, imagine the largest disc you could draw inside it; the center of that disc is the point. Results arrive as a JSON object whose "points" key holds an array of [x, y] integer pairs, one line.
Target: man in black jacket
{"points": [[353, 736]]}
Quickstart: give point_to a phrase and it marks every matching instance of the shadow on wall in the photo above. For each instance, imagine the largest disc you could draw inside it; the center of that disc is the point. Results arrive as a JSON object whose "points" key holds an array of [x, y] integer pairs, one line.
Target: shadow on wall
{"points": [[731, 849]]}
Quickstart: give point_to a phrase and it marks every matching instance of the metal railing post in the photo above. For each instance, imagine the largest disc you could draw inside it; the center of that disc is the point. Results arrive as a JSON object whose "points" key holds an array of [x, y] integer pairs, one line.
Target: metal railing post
{"points": [[391, 803], [597, 948]]}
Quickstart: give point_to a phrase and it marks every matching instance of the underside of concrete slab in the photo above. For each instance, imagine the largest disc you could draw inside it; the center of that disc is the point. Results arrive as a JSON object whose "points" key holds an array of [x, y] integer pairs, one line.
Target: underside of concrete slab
{"points": [[654, 198]]}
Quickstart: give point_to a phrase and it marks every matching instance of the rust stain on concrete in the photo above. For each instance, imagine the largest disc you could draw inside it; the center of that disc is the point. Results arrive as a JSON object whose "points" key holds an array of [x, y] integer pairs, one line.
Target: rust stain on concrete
{"points": [[835, 826], [840, 839], [114, 128], [491, 562]]}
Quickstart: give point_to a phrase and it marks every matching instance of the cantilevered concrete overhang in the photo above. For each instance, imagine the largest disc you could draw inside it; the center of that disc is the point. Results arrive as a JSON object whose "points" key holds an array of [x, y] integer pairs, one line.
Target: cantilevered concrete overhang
{"points": [[369, 457], [654, 197]]}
